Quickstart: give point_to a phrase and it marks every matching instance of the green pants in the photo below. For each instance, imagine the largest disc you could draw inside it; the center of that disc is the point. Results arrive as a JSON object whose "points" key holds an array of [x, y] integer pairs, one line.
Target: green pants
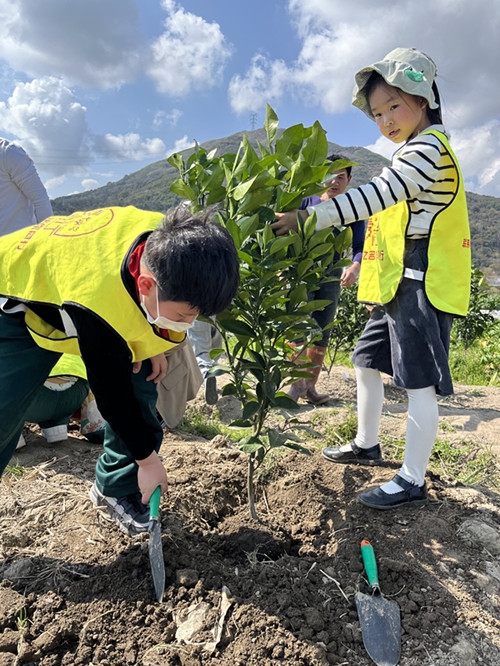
{"points": [[54, 408], [24, 367]]}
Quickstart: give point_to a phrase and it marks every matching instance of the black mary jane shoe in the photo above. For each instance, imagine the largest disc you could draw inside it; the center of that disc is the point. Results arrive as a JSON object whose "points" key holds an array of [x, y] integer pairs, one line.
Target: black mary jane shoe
{"points": [[356, 455], [410, 494]]}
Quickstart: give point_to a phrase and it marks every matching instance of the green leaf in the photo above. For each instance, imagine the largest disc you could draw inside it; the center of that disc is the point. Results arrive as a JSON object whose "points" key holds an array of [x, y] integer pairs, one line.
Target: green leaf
{"points": [[303, 266], [285, 402], [271, 124], [248, 226], [298, 447], [289, 144], [254, 200], [182, 189], [250, 408], [250, 444], [238, 327], [281, 243], [240, 423], [276, 438], [176, 161], [315, 147]]}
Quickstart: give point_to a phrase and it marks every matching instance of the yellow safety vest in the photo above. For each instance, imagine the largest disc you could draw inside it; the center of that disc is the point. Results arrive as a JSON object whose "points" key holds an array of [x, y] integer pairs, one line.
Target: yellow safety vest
{"points": [[447, 279], [79, 260], [69, 365]]}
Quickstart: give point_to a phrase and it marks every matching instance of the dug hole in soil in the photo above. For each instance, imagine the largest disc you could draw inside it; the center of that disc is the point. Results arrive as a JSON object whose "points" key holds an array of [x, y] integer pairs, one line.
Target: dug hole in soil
{"points": [[75, 591]]}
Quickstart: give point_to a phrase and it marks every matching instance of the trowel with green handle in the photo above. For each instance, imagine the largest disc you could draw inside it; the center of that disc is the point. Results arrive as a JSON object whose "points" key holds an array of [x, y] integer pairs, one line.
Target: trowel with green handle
{"points": [[379, 618], [155, 546]]}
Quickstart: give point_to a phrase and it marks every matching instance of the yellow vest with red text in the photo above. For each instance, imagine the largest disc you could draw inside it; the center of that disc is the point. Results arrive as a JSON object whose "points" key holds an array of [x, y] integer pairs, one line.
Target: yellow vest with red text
{"points": [[79, 260], [447, 279]]}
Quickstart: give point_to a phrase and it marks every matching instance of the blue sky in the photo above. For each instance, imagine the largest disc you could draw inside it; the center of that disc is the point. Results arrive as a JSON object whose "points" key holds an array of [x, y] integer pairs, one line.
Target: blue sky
{"points": [[96, 89]]}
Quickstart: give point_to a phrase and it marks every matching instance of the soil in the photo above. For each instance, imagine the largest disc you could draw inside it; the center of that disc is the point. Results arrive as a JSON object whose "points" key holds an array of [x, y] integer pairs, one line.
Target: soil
{"points": [[75, 591]]}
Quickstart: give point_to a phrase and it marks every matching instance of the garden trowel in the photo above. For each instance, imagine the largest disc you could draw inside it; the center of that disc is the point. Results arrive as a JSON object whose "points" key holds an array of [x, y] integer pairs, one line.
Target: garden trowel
{"points": [[379, 618], [155, 546]]}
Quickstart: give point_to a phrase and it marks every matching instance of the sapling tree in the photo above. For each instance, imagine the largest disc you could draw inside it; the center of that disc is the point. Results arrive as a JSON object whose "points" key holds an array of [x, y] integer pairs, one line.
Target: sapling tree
{"points": [[272, 307]]}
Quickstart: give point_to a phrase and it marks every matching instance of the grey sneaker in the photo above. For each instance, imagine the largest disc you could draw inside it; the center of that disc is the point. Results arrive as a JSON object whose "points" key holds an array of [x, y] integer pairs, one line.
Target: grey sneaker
{"points": [[129, 513], [211, 395]]}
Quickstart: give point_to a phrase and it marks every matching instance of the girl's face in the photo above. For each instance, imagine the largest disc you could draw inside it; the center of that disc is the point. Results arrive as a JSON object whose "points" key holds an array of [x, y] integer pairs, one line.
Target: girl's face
{"points": [[399, 116]]}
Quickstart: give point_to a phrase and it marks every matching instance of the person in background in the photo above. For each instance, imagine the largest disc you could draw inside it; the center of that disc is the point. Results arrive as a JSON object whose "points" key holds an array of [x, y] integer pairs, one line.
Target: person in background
{"points": [[329, 289], [118, 287], [416, 267], [65, 392], [23, 197], [204, 337]]}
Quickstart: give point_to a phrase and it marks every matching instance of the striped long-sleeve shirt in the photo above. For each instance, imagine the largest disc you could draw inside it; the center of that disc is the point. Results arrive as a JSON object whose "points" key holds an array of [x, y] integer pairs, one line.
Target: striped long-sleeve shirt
{"points": [[422, 173]]}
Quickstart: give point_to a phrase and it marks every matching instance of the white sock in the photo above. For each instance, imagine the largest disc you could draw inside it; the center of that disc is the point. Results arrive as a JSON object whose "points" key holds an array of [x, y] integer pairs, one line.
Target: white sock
{"points": [[421, 430], [370, 392]]}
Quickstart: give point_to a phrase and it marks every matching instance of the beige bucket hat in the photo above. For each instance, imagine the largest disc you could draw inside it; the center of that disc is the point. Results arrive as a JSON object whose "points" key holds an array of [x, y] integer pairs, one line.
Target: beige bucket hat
{"points": [[407, 69]]}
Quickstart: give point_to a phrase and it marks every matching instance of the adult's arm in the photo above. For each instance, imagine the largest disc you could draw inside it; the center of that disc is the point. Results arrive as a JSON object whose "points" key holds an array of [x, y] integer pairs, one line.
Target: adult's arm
{"points": [[23, 173]]}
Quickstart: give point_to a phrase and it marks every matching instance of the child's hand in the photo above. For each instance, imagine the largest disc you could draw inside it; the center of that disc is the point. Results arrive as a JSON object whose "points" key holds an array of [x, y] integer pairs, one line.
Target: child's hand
{"points": [[159, 366], [150, 475], [286, 222]]}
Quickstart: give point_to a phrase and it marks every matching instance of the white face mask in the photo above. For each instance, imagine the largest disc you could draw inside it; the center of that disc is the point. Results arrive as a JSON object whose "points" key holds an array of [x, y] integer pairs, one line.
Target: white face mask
{"points": [[164, 322]]}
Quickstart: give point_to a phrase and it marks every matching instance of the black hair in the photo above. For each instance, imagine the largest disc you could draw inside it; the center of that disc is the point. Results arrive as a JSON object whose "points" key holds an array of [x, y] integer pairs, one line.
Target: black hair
{"points": [[434, 115], [194, 260], [337, 156]]}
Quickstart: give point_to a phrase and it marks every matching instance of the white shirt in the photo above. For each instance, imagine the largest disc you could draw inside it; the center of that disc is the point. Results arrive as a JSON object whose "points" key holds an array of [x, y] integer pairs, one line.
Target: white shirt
{"points": [[23, 198]]}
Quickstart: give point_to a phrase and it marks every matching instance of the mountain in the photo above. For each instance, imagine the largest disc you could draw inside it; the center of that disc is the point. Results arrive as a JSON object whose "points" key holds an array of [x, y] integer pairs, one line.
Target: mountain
{"points": [[148, 189]]}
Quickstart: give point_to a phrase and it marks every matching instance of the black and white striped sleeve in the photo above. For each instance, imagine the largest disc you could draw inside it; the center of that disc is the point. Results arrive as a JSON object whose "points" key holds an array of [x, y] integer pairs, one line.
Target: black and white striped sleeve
{"points": [[414, 169]]}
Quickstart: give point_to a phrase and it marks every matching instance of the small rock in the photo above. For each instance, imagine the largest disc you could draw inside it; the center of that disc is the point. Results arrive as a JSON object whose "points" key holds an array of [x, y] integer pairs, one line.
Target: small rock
{"points": [[18, 569], [187, 577], [464, 652], [480, 532], [11, 602]]}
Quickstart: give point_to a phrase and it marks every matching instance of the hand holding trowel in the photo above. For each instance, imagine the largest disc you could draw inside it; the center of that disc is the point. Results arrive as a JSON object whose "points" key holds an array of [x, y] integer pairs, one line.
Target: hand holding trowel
{"points": [[155, 546], [379, 618]]}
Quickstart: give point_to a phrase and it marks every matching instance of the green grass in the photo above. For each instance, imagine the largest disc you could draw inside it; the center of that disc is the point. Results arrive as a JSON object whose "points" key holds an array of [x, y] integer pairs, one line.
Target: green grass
{"points": [[206, 423], [476, 365], [16, 470], [466, 462], [343, 433]]}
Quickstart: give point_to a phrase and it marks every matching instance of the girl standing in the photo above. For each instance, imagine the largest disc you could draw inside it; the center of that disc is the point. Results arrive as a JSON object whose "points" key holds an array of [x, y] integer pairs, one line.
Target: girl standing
{"points": [[415, 269]]}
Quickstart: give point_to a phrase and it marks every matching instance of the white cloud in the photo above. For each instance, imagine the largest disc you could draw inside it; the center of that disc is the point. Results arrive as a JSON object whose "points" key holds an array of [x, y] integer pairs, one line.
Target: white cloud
{"points": [[189, 55], [50, 124], [170, 118], [124, 147], [339, 38], [90, 183], [181, 144], [92, 43], [54, 182], [263, 83], [478, 151]]}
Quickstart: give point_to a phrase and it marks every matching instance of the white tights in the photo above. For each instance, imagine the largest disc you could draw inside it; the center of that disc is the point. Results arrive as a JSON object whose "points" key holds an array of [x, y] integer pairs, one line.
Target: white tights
{"points": [[421, 427]]}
